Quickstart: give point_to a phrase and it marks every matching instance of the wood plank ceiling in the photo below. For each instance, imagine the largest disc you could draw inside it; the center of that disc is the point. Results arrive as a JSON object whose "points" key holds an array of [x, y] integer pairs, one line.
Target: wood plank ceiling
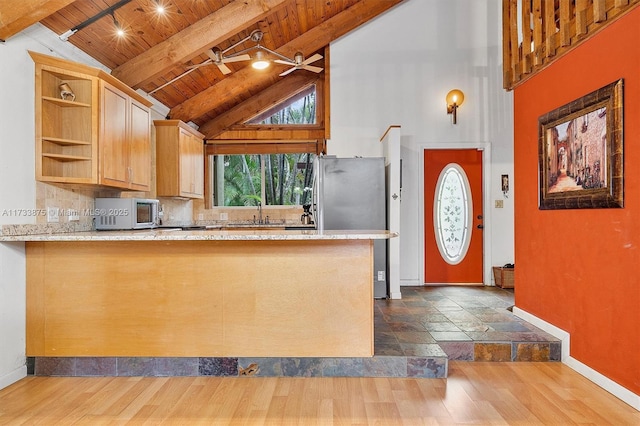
{"points": [[159, 48]]}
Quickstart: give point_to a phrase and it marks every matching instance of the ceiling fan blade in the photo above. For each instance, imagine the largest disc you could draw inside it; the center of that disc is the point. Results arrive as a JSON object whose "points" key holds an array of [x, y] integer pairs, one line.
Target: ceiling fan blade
{"points": [[280, 61], [207, 62], [311, 68], [224, 69], [289, 71], [312, 59], [238, 58]]}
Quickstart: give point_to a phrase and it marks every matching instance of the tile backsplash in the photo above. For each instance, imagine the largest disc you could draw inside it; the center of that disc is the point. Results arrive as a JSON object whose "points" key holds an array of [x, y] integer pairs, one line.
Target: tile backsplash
{"points": [[176, 211], [70, 199], [67, 200], [202, 216]]}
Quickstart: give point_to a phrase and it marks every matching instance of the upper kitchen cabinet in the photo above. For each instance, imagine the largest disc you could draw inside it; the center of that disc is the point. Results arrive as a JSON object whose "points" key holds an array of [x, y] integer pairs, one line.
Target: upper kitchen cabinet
{"points": [[90, 127], [179, 160], [124, 140]]}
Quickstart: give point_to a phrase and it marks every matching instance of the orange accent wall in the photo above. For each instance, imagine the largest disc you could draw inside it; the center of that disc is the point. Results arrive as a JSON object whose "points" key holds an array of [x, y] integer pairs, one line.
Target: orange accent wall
{"points": [[580, 269]]}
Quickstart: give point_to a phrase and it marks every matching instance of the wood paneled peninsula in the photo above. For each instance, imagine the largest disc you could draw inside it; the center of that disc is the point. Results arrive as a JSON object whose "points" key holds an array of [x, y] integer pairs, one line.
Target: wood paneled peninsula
{"points": [[175, 293]]}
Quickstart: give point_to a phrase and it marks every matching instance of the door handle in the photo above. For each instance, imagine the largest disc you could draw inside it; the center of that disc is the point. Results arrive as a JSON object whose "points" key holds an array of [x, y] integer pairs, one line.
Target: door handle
{"points": [[481, 226]]}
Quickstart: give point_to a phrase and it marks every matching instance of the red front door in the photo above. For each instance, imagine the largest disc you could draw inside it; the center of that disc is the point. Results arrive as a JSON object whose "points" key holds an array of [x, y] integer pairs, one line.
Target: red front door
{"points": [[437, 270]]}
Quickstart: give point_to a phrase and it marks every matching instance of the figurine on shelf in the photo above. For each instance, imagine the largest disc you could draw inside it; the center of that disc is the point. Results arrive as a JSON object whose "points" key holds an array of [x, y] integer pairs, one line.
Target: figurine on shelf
{"points": [[66, 93]]}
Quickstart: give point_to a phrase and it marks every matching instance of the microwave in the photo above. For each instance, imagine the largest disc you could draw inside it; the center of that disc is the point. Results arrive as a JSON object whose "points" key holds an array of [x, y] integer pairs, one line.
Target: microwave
{"points": [[126, 213]]}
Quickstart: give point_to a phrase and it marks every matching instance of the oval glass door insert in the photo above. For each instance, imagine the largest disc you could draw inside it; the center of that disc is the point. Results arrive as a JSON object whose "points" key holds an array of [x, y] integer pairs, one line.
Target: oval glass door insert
{"points": [[453, 213]]}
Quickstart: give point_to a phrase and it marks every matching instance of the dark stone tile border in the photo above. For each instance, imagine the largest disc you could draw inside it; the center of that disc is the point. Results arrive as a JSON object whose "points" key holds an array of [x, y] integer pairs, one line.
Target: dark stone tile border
{"points": [[377, 366]]}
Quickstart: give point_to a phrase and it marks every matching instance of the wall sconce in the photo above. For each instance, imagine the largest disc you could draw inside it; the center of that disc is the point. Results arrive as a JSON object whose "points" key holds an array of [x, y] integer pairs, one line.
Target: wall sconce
{"points": [[455, 98], [260, 62]]}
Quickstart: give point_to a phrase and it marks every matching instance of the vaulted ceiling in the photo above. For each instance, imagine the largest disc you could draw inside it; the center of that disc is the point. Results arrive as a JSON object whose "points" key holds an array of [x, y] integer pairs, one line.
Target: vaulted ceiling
{"points": [[157, 51]]}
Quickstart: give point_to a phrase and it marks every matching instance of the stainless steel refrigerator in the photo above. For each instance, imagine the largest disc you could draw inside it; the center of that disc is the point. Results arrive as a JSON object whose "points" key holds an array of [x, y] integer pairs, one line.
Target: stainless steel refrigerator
{"points": [[349, 194]]}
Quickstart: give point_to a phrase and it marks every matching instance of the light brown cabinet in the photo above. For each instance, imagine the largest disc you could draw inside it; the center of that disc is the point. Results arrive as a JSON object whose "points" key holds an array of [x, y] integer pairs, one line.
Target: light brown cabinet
{"points": [[125, 140], [90, 127], [179, 160]]}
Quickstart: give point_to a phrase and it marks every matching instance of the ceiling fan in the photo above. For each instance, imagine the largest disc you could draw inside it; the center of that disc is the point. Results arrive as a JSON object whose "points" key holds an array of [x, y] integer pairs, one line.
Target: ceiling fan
{"points": [[216, 56], [299, 63]]}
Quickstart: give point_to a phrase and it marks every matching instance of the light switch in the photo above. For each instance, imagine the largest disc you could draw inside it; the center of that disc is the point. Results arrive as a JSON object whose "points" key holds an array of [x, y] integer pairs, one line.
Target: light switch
{"points": [[499, 204]]}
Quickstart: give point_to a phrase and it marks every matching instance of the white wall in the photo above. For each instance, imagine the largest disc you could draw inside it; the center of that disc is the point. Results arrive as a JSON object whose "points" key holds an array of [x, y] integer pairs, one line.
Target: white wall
{"points": [[17, 180], [397, 70]]}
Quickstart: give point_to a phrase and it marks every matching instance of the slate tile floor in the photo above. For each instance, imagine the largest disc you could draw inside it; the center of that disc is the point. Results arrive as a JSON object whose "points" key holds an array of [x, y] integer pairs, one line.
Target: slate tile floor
{"points": [[466, 323]]}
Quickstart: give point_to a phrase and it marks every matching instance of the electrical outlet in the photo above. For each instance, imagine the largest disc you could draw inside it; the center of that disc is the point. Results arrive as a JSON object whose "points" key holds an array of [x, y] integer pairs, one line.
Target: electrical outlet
{"points": [[200, 216], [381, 276], [74, 215], [224, 216], [53, 215], [499, 204]]}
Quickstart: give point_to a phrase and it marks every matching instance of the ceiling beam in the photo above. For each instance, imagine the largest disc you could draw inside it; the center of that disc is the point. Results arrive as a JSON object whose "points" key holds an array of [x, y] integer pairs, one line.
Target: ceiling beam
{"points": [[16, 15], [309, 42], [194, 40], [246, 135], [253, 106]]}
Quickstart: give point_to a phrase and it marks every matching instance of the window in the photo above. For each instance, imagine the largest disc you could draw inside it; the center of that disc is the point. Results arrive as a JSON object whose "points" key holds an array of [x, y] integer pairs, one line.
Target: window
{"points": [[277, 179], [298, 109], [452, 214], [269, 179]]}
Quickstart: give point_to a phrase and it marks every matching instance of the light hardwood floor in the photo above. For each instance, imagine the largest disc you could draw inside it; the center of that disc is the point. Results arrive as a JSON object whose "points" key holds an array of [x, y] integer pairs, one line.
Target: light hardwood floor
{"points": [[474, 393]]}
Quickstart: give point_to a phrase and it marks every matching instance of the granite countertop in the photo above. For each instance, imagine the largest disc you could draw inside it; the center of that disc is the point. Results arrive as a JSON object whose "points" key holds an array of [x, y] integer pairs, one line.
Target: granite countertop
{"points": [[214, 234]]}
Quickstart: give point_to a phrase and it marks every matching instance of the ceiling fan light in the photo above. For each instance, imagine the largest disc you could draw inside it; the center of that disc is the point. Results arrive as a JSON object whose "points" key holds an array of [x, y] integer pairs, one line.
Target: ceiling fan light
{"points": [[260, 62], [260, 65]]}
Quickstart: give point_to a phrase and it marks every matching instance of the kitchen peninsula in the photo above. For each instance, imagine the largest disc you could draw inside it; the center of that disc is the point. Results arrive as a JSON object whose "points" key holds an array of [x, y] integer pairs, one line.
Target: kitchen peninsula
{"points": [[216, 293]]}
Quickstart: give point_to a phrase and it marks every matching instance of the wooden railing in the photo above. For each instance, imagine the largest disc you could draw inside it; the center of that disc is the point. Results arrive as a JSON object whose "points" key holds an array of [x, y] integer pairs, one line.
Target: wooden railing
{"points": [[536, 32]]}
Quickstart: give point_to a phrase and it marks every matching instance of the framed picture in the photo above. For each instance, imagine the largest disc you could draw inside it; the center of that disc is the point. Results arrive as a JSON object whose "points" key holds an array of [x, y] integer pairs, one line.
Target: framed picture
{"points": [[580, 152]]}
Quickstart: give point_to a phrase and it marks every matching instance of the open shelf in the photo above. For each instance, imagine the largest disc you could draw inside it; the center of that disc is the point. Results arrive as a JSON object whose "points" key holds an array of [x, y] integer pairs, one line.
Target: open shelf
{"points": [[61, 141], [63, 157], [65, 103], [67, 137]]}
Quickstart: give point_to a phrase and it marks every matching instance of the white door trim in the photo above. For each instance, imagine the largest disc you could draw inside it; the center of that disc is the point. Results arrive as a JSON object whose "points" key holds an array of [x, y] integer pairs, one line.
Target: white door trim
{"points": [[485, 147]]}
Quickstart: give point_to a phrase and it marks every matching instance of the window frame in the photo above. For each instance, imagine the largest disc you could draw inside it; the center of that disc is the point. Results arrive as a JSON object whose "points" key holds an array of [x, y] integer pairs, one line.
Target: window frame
{"points": [[210, 199]]}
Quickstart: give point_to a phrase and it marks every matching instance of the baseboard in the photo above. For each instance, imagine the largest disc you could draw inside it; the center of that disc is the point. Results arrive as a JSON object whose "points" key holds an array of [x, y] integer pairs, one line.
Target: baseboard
{"points": [[12, 377], [558, 333], [411, 283], [599, 379]]}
